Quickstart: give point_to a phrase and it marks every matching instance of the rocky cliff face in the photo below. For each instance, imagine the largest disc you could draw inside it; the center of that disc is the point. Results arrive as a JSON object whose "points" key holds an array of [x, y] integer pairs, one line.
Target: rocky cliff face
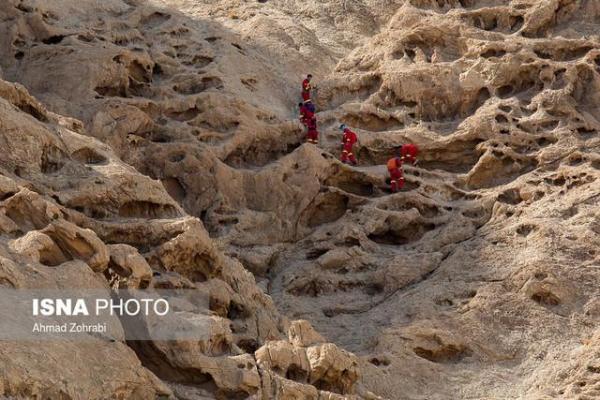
{"points": [[155, 144]]}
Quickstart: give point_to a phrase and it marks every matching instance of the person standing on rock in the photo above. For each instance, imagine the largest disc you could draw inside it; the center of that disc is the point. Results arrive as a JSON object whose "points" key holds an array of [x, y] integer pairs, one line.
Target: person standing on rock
{"points": [[306, 88], [404, 153], [348, 141], [394, 166], [312, 135], [305, 114], [309, 120]]}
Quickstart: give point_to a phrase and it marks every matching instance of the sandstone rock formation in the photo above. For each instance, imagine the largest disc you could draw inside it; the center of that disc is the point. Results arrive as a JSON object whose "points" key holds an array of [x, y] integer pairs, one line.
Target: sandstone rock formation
{"points": [[154, 144]]}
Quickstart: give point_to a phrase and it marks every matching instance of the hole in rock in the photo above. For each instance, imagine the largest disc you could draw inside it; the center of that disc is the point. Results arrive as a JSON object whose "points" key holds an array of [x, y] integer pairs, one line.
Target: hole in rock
{"points": [[139, 72], [33, 111], [52, 160], [156, 137], [575, 160], [194, 86], [593, 369], [558, 181], [545, 297], [155, 19], [294, 372], [540, 276], [585, 133], [315, 253], [543, 54], [53, 257], [87, 155], [493, 53], [380, 361], [175, 189], [525, 230], [516, 23], [411, 233], [147, 209], [447, 353], [373, 289], [328, 207], [510, 196], [183, 116], [177, 157], [248, 345], [237, 311], [505, 91], [56, 39], [111, 91], [351, 184], [501, 119]]}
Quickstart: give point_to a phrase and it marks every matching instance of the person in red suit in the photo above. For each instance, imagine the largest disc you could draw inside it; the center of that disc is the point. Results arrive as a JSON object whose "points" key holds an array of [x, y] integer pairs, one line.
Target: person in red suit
{"points": [[409, 153], [348, 141], [394, 166], [404, 153], [305, 114], [312, 136], [306, 88]]}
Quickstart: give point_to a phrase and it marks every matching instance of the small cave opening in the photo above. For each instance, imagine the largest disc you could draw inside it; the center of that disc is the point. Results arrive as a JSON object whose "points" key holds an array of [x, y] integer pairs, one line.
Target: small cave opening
{"points": [[55, 39], [545, 297], [296, 373], [87, 155], [147, 209], [329, 207], [448, 353], [402, 236], [510, 196]]}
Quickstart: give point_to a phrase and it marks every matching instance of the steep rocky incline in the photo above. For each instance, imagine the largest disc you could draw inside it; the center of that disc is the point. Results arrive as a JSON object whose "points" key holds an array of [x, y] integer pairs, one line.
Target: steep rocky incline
{"points": [[52, 178], [164, 132]]}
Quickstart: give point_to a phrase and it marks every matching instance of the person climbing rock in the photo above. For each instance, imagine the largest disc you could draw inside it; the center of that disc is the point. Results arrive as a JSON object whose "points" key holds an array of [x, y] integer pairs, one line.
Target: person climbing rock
{"points": [[394, 166], [306, 88], [305, 114], [348, 141], [408, 153], [312, 136]]}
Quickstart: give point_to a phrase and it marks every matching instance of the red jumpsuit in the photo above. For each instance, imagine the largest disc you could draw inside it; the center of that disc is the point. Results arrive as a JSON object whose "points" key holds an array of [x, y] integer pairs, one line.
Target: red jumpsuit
{"points": [[394, 166], [306, 115], [348, 142], [409, 153], [312, 136], [306, 90]]}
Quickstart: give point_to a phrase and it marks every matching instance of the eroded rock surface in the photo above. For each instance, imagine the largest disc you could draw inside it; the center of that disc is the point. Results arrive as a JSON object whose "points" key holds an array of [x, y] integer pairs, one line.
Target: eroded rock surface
{"points": [[159, 148]]}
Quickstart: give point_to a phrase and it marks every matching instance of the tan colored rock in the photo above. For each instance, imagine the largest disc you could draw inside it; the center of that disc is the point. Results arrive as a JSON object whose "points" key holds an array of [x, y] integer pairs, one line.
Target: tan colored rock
{"points": [[334, 259], [79, 243], [128, 263], [335, 369], [39, 247], [306, 359], [302, 334]]}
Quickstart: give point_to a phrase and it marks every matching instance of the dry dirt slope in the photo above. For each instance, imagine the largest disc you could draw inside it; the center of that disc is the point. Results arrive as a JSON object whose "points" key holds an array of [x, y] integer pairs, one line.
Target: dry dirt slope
{"points": [[480, 281]]}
